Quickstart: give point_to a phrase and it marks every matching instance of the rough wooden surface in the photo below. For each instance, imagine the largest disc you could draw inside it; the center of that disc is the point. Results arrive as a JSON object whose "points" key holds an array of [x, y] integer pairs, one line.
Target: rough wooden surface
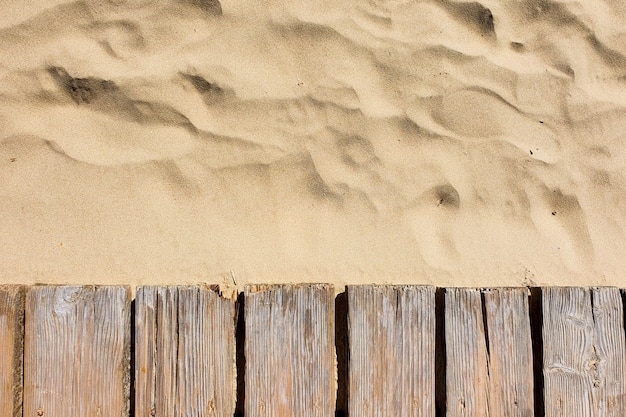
{"points": [[584, 354], [392, 351], [467, 375], [76, 347], [184, 352], [145, 352], [11, 349], [76, 352], [289, 351], [510, 352]]}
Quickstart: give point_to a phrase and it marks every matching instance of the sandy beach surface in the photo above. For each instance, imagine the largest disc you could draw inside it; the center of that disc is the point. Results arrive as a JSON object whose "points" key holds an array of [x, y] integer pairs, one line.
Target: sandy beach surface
{"points": [[439, 142]]}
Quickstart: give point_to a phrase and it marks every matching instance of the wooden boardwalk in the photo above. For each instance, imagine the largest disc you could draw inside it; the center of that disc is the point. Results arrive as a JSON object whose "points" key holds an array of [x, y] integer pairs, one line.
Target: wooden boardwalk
{"points": [[297, 350]]}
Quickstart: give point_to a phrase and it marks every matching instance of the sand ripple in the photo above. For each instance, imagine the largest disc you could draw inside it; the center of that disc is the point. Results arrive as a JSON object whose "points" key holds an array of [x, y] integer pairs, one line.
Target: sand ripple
{"points": [[455, 143]]}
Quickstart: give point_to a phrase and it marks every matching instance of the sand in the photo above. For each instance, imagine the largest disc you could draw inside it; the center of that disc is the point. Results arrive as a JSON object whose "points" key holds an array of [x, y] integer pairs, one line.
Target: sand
{"points": [[437, 142]]}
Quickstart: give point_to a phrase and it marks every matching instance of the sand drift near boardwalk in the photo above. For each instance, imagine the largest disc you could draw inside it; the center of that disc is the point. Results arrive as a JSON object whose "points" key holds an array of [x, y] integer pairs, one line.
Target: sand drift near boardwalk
{"points": [[430, 142]]}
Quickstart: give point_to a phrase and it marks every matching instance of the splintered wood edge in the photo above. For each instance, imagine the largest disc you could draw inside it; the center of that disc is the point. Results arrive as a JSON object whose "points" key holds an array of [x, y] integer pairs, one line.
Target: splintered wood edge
{"points": [[496, 290], [256, 288], [18, 294], [391, 286], [209, 287], [215, 288]]}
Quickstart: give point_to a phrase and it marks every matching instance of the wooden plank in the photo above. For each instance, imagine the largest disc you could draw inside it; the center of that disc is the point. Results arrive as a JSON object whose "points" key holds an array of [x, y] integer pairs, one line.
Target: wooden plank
{"points": [[608, 365], [184, 352], [145, 351], [567, 342], [584, 353], [488, 353], [11, 348], [289, 351], [467, 374], [510, 352], [392, 351], [77, 351]]}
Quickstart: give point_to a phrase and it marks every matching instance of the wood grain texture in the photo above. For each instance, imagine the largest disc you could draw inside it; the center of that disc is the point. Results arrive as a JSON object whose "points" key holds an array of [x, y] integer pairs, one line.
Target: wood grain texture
{"points": [[184, 352], [584, 353], [11, 349], [289, 351], [145, 351], [467, 374], [77, 351], [510, 352], [392, 351]]}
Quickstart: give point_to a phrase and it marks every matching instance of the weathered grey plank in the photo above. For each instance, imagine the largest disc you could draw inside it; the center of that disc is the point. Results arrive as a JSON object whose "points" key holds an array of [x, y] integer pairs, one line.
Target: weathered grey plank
{"points": [[77, 351], [145, 351], [184, 352], [609, 367], [467, 376], [510, 352], [392, 351], [584, 353], [11, 349], [289, 351]]}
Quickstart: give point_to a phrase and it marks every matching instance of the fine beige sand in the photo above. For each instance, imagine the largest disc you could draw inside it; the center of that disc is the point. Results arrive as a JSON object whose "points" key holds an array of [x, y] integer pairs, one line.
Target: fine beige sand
{"points": [[438, 142]]}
